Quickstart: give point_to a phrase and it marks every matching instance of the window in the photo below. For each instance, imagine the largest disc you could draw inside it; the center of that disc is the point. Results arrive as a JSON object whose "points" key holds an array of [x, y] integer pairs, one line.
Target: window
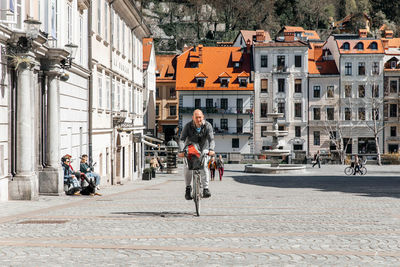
{"points": [[69, 23], [281, 61], [243, 82], [360, 46], [281, 108], [297, 110], [393, 64], [330, 93], [281, 85], [361, 90], [374, 46], [105, 20], [347, 90], [361, 114], [211, 121], [297, 147], [264, 61], [361, 68], [393, 86], [99, 18], [108, 93], [297, 85], [263, 129], [172, 110], [200, 82], [297, 131], [158, 110], [157, 92], [330, 114], [347, 114], [281, 127], [239, 126], [224, 82], [375, 90], [53, 19], [123, 97], [264, 110], [347, 69], [194, 64], [209, 103], [224, 124], [224, 103], [346, 46], [297, 61], [197, 103], [235, 142], [118, 97], [100, 85], [317, 138], [172, 92], [393, 111], [113, 95], [264, 86], [239, 105], [317, 91], [375, 68], [375, 114], [130, 99], [317, 114], [393, 131]]}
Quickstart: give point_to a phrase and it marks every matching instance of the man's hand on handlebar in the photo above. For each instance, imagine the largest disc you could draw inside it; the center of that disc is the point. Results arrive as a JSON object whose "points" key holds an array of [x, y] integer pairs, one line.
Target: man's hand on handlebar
{"points": [[181, 154]]}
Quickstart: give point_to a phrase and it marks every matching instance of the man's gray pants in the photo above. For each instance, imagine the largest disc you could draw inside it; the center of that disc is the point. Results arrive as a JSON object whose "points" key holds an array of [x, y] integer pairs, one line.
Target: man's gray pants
{"points": [[204, 173]]}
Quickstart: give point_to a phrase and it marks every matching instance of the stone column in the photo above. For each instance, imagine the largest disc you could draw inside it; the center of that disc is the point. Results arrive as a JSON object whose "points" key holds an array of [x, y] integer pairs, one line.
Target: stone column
{"points": [[51, 180], [24, 185]]}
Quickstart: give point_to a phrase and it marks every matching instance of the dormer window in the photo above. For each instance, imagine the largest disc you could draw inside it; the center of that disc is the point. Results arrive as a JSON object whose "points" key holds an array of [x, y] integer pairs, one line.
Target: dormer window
{"points": [[224, 82], [194, 64], [393, 64], [360, 46], [243, 82], [346, 46], [374, 46], [200, 82], [236, 65]]}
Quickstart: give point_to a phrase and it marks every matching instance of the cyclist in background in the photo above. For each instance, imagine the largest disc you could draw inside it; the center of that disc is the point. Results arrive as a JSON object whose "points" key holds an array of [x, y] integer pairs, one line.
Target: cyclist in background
{"points": [[198, 131]]}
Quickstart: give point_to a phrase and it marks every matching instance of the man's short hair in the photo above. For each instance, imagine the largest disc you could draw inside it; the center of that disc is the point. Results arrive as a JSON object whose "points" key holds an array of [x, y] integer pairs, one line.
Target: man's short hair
{"points": [[84, 156]]}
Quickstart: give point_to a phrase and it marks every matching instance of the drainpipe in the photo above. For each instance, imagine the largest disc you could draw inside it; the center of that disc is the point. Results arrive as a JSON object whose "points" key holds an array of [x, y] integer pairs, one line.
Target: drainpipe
{"points": [[111, 99], [308, 115], [90, 56]]}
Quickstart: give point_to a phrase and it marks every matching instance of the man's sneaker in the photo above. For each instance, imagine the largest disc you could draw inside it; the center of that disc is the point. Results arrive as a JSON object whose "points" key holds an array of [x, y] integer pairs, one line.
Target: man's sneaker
{"points": [[206, 193], [188, 193]]}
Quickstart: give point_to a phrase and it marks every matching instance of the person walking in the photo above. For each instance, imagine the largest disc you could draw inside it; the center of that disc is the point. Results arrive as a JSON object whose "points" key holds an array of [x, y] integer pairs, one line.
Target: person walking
{"points": [[317, 160], [212, 165], [220, 167]]}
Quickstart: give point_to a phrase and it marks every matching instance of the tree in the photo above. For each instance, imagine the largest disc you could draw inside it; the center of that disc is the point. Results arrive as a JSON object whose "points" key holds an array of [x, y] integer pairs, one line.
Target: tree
{"points": [[375, 125]]}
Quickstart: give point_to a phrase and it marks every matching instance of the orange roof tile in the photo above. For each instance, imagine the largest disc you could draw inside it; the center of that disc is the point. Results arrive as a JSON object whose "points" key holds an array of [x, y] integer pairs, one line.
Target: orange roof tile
{"points": [[165, 68], [236, 56], [353, 42], [311, 35], [293, 29], [147, 45], [392, 42], [316, 62], [216, 62], [200, 75], [244, 74], [248, 35], [274, 44]]}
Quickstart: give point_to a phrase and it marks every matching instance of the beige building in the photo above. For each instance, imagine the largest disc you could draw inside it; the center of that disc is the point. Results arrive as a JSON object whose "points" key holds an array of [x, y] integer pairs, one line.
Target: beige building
{"points": [[167, 98]]}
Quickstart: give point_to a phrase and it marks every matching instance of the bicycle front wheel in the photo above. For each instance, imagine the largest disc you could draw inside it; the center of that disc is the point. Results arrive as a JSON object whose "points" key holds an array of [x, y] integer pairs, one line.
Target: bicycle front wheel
{"points": [[348, 170], [196, 192], [363, 171]]}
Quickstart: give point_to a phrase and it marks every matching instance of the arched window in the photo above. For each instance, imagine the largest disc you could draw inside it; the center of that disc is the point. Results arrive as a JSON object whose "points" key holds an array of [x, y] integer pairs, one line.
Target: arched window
{"points": [[346, 46], [374, 46], [360, 46]]}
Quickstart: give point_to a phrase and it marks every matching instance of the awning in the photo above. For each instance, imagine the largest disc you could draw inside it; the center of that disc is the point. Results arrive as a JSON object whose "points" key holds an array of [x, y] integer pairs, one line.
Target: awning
{"points": [[149, 144], [153, 139]]}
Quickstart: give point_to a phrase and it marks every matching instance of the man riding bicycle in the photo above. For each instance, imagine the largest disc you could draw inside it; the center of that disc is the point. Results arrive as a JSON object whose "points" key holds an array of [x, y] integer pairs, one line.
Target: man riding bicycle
{"points": [[200, 132]]}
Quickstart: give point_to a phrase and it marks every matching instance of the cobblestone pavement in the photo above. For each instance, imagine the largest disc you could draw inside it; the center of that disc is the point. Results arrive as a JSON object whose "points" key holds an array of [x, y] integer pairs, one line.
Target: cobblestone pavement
{"points": [[319, 218]]}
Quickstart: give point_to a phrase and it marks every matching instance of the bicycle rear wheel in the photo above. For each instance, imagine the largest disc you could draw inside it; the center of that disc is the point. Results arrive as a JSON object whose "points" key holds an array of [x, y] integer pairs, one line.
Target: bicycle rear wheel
{"points": [[196, 192], [349, 170], [363, 171]]}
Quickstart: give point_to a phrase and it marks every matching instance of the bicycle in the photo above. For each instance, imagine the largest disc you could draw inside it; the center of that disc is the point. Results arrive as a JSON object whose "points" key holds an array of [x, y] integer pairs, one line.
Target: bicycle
{"points": [[195, 165], [351, 170]]}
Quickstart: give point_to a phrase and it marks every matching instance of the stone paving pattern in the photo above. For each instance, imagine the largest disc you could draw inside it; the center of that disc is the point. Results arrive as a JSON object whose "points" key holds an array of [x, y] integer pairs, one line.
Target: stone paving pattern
{"points": [[320, 218]]}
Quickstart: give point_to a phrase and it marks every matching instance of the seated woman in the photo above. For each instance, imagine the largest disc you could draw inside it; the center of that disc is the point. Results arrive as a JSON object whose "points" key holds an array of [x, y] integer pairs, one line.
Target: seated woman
{"points": [[88, 171], [71, 183]]}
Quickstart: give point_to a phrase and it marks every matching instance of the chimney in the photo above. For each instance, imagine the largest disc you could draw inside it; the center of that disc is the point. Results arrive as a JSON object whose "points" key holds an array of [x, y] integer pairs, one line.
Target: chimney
{"points": [[248, 47], [385, 44], [200, 53], [260, 36], [388, 34], [362, 33], [289, 36]]}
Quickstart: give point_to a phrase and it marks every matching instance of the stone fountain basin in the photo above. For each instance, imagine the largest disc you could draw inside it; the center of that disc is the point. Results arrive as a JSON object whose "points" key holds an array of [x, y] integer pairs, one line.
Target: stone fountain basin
{"points": [[266, 168], [276, 133], [275, 152]]}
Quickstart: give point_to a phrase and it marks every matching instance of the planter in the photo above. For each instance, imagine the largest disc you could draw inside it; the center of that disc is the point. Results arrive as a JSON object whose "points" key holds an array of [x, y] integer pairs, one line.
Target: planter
{"points": [[146, 174]]}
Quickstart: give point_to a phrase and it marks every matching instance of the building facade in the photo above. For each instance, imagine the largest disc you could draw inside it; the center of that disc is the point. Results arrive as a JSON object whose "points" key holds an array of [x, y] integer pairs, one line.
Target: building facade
{"points": [[149, 93], [217, 81]]}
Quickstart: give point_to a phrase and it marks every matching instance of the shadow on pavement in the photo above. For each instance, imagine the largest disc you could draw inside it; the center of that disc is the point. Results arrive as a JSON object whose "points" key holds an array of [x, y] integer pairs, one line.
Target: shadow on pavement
{"points": [[155, 214], [361, 185]]}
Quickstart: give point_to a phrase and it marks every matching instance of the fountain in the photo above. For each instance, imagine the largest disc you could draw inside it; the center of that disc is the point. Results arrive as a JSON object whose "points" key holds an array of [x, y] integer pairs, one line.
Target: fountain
{"points": [[275, 154]]}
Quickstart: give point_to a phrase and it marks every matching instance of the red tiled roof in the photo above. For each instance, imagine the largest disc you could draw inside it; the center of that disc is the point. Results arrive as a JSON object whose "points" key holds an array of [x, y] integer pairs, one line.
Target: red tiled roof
{"points": [[292, 29], [316, 62], [353, 43], [147, 45], [200, 75], [216, 62], [244, 74], [165, 68], [236, 56], [248, 35], [273, 44]]}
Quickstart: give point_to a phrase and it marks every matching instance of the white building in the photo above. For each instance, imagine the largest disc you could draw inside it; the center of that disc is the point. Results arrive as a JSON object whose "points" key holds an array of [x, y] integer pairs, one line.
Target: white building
{"points": [[280, 82], [217, 81], [149, 67], [117, 108]]}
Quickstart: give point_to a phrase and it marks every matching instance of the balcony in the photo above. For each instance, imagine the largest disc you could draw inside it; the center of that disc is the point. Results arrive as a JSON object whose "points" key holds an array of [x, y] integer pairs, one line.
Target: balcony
{"points": [[233, 131], [216, 110], [281, 69]]}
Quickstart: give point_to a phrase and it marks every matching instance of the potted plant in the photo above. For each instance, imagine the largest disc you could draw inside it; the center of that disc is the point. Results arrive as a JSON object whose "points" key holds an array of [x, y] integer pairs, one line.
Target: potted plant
{"points": [[146, 174]]}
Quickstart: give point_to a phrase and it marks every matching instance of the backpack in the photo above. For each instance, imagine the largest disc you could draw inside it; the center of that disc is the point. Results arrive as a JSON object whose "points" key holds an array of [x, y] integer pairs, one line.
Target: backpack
{"points": [[71, 186]]}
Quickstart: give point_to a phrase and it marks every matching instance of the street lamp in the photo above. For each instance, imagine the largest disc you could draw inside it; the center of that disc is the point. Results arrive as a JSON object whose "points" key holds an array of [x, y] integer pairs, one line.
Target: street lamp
{"points": [[71, 48], [32, 28]]}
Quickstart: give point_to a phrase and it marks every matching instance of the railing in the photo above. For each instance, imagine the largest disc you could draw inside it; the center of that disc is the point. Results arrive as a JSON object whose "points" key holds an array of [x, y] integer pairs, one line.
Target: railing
{"points": [[232, 131], [216, 110]]}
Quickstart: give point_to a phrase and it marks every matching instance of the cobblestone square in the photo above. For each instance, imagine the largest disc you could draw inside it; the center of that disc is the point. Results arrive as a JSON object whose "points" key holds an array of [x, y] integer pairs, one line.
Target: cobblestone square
{"points": [[320, 218]]}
